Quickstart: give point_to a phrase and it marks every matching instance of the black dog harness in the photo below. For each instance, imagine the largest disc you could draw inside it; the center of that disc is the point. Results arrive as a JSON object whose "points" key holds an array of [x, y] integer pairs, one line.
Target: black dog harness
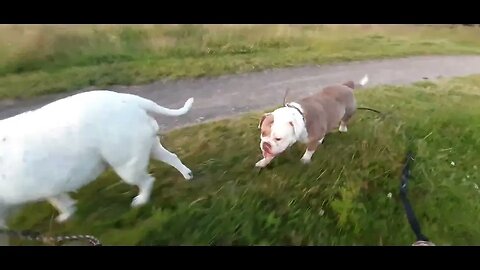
{"points": [[289, 105]]}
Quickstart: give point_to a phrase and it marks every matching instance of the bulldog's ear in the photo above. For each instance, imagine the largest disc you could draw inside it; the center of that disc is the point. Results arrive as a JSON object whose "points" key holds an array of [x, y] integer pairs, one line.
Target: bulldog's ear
{"points": [[262, 119], [350, 84], [295, 126]]}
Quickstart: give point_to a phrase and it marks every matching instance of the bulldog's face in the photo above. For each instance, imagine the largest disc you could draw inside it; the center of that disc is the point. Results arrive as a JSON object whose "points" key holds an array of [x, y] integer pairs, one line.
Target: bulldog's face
{"points": [[277, 132]]}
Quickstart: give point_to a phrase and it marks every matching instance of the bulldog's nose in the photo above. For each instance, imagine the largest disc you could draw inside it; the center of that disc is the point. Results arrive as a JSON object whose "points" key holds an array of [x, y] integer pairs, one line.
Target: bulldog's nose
{"points": [[266, 145]]}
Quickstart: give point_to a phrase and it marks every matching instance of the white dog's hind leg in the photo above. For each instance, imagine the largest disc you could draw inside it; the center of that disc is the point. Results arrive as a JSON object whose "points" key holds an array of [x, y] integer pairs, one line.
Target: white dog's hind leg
{"points": [[145, 190], [65, 206], [131, 164], [161, 154], [135, 173]]}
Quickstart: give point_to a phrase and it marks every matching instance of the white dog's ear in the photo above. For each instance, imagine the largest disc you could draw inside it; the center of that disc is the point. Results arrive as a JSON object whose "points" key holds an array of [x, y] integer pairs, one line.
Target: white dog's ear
{"points": [[262, 119]]}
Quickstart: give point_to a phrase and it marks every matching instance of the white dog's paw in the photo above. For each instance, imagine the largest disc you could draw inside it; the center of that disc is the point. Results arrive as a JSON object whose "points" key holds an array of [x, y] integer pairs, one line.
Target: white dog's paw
{"points": [[343, 128], [139, 200], [305, 160], [187, 174]]}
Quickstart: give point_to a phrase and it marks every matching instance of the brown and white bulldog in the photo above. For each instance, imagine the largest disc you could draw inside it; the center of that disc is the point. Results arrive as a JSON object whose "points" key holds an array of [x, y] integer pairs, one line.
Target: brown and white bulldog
{"points": [[307, 120]]}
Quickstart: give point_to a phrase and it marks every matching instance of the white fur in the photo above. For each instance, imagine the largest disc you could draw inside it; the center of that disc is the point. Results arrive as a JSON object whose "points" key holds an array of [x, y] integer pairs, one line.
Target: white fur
{"points": [[263, 162], [364, 80], [307, 156], [342, 127], [282, 129], [61, 147]]}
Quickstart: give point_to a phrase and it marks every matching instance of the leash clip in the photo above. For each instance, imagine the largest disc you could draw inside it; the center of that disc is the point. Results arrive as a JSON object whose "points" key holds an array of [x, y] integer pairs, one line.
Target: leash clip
{"points": [[423, 243]]}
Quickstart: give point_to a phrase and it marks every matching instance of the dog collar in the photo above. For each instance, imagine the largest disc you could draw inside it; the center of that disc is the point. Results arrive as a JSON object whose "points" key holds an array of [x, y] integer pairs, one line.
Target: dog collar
{"points": [[296, 108]]}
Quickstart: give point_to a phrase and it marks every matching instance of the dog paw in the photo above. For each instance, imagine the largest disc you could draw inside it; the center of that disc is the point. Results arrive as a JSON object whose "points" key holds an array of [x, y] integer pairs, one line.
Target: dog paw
{"points": [[305, 160], [188, 175], [261, 164], [343, 129], [139, 201]]}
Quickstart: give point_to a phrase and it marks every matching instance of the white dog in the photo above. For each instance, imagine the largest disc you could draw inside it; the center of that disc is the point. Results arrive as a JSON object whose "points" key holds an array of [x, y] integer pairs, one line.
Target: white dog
{"points": [[61, 147]]}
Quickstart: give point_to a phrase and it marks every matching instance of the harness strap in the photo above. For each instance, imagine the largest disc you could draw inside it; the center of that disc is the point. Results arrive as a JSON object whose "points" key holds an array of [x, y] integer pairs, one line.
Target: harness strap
{"points": [[289, 105]]}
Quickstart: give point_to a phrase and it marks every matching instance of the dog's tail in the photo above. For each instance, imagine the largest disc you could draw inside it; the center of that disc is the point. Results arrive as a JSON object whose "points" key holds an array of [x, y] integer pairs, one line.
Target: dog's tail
{"points": [[361, 83], [153, 107], [364, 80]]}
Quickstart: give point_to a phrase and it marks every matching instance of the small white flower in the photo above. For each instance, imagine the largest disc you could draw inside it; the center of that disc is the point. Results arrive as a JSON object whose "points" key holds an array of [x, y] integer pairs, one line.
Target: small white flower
{"points": [[389, 195], [475, 186], [452, 163]]}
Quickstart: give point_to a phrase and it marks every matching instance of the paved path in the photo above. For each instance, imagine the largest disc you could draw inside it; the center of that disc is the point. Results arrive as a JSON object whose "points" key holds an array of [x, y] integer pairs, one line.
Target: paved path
{"points": [[230, 95]]}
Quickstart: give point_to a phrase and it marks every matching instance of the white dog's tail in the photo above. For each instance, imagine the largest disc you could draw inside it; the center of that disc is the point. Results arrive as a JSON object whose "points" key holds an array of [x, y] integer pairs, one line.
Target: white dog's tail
{"points": [[153, 107]]}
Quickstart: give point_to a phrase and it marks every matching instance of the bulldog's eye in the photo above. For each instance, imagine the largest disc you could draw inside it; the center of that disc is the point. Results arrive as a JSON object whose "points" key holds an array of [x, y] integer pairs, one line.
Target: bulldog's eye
{"points": [[278, 139]]}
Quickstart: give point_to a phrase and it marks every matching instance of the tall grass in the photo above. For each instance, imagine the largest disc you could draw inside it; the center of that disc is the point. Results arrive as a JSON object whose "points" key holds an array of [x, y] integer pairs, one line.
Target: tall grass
{"points": [[40, 59]]}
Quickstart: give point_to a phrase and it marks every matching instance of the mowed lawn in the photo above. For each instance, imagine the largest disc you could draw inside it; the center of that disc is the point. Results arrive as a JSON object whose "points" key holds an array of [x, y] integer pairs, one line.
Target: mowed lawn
{"points": [[42, 59], [348, 195]]}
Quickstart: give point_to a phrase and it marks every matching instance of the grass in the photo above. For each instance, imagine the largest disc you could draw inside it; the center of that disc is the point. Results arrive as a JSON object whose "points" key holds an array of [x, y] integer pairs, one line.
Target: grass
{"points": [[43, 59], [341, 198]]}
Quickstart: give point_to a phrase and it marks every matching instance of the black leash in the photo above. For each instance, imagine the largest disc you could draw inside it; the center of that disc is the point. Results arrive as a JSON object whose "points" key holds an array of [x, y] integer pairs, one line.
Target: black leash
{"points": [[422, 240], [368, 109]]}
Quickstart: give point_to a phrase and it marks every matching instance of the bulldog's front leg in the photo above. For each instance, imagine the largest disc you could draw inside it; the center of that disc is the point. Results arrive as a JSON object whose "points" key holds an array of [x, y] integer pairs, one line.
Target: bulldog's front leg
{"points": [[264, 162], [307, 156], [311, 148]]}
